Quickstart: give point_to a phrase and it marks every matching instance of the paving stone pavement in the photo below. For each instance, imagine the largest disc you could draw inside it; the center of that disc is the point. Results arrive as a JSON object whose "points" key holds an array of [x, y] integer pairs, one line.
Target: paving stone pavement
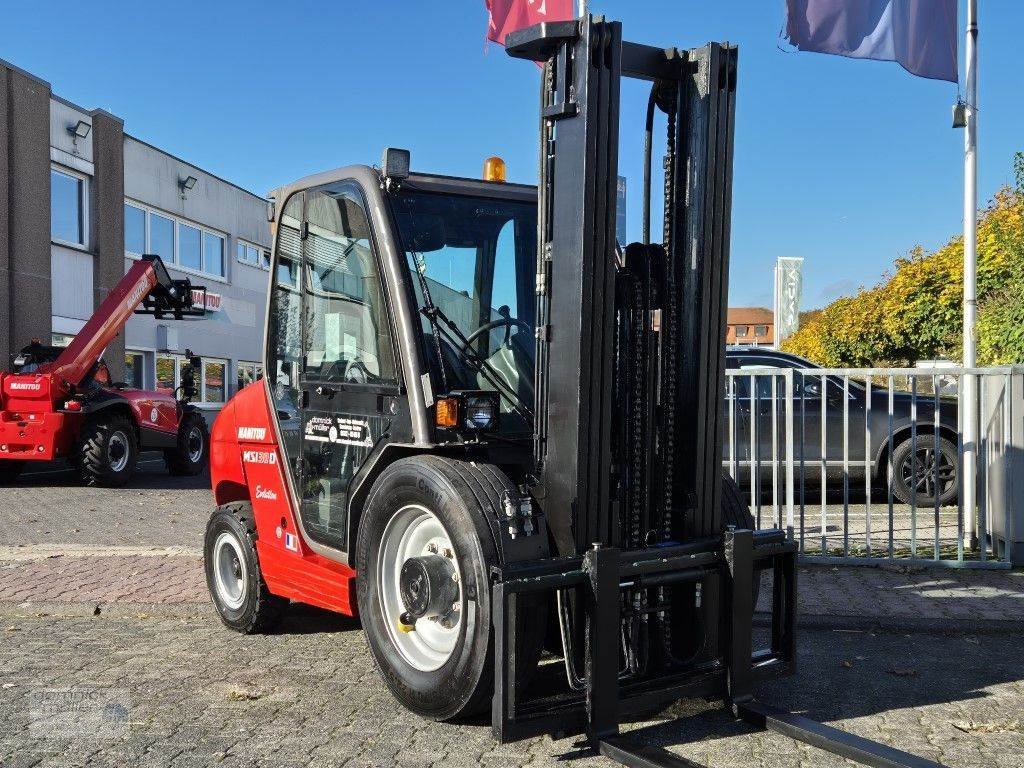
{"points": [[51, 506], [192, 693], [936, 600], [942, 675]]}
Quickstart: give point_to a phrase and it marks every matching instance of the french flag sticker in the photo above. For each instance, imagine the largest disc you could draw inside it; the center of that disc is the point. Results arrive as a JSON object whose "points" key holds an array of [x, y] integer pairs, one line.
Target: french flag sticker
{"points": [[291, 542]]}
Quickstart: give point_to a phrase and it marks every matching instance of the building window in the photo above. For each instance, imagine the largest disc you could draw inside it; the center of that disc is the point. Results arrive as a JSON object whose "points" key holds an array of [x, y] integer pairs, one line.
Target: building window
{"points": [[166, 374], [179, 243], [161, 237], [760, 330], [134, 367], [253, 255], [134, 230], [742, 331], [247, 374], [190, 247], [210, 379], [214, 384], [213, 254], [68, 208]]}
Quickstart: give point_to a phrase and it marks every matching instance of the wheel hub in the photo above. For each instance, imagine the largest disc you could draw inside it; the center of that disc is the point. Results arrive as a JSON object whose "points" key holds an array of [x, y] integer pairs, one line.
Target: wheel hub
{"points": [[428, 586], [419, 578]]}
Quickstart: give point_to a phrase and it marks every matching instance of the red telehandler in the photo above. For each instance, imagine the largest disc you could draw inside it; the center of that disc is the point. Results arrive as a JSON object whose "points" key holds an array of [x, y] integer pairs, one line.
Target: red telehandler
{"points": [[61, 403], [491, 432]]}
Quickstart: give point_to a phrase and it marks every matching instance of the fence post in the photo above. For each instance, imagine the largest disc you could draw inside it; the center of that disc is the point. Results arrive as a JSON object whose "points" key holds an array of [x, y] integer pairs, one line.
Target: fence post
{"points": [[789, 451]]}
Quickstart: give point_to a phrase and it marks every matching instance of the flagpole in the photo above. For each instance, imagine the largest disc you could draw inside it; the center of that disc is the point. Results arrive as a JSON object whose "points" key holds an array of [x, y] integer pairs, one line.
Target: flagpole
{"points": [[969, 401], [583, 9]]}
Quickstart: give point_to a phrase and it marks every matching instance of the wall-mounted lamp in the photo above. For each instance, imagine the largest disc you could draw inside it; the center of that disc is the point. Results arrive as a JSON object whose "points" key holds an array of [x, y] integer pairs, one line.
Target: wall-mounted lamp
{"points": [[187, 185], [80, 130]]}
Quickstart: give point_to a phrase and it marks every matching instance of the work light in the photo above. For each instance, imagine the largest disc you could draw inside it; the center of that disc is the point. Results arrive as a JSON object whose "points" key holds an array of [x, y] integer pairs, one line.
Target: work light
{"points": [[473, 411]]}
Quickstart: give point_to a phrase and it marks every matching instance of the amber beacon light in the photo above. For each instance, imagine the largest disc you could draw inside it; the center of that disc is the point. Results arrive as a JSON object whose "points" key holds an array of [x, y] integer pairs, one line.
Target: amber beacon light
{"points": [[494, 169]]}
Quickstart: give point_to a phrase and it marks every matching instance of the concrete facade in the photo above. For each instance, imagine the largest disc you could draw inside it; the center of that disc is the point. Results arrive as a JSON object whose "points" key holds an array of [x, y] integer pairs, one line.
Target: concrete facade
{"points": [[52, 281]]}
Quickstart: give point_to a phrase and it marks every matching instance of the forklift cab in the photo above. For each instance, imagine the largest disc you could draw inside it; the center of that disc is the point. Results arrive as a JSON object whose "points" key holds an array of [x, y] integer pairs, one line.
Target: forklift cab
{"points": [[397, 301]]}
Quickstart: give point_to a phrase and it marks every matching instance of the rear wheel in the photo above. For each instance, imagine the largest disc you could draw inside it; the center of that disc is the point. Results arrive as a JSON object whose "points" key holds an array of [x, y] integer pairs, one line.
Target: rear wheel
{"points": [[192, 452], [923, 474], [423, 555], [233, 575], [107, 452], [10, 470]]}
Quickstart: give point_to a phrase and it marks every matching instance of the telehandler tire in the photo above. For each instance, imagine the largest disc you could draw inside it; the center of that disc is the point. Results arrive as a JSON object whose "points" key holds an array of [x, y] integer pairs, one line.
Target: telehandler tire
{"points": [[192, 454], [243, 601], [10, 470], [424, 547], [107, 452]]}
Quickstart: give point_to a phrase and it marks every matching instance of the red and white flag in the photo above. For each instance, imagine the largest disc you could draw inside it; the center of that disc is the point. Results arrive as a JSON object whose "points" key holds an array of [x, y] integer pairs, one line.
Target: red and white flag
{"points": [[507, 16]]}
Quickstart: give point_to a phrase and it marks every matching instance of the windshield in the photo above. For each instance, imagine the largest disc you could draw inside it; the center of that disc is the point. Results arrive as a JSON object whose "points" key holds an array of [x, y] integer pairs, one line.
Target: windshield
{"points": [[472, 258]]}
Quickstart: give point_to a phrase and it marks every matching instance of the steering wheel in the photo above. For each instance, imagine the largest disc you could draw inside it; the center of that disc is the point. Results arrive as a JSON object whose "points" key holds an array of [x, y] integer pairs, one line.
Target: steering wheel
{"points": [[506, 322], [358, 373]]}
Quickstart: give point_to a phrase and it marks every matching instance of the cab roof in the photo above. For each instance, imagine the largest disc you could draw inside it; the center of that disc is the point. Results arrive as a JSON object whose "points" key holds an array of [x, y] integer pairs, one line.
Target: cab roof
{"points": [[452, 185]]}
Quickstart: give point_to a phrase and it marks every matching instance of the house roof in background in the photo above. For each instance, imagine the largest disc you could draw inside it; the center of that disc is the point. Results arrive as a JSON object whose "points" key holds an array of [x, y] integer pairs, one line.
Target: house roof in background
{"points": [[750, 316]]}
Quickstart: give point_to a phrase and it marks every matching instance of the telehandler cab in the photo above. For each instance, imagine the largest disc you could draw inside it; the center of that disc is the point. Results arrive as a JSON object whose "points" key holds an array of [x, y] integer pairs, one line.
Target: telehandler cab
{"points": [[61, 403], [497, 433]]}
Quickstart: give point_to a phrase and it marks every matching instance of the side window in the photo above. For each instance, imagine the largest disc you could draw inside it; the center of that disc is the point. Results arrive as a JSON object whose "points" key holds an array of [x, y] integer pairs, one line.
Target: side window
{"points": [[284, 333], [348, 339]]}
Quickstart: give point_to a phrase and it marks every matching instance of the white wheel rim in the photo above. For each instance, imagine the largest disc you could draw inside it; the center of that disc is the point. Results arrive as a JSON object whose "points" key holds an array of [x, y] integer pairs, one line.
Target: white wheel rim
{"points": [[195, 437], [229, 570], [118, 451], [414, 531]]}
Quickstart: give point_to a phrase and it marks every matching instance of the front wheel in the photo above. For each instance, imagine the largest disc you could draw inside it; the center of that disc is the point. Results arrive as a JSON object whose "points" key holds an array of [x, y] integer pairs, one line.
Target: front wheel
{"points": [[423, 556], [192, 452], [923, 474]]}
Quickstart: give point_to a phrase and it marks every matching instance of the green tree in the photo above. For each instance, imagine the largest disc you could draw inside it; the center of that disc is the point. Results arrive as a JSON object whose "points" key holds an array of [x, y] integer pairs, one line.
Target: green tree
{"points": [[917, 312]]}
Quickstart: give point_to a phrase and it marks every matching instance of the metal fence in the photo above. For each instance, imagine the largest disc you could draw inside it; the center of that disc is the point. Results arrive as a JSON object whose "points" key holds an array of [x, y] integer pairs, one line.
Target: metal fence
{"points": [[869, 465]]}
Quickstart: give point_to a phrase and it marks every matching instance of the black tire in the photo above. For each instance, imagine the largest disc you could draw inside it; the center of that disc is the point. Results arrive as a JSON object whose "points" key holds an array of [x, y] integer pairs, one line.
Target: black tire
{"points": [[458, 495], [192, 453], [10, 470], [107, 452], [906, 474], [231, 532]]}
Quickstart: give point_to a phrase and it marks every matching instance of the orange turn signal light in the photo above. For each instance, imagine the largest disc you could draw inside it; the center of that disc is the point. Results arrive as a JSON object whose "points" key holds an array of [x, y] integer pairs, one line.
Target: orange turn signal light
{"points": [[446, 412]]}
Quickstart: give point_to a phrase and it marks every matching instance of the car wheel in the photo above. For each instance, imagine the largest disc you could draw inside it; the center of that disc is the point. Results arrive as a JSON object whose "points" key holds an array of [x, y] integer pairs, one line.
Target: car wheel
{"points": [[922, 475]]}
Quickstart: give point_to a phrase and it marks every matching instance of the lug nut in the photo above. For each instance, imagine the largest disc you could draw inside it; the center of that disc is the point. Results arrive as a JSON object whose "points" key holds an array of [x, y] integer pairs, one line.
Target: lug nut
{"points": [[448, 553], [432, 548]]}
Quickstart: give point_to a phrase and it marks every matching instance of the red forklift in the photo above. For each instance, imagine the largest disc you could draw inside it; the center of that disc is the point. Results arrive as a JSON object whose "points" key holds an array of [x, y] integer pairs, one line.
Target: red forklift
{"points": [[494, 435], [61, 402]]}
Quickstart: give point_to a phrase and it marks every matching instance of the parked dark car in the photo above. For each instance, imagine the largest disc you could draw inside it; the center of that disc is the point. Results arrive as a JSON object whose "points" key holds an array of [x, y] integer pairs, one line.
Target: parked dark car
{"points": [[916, 478]]}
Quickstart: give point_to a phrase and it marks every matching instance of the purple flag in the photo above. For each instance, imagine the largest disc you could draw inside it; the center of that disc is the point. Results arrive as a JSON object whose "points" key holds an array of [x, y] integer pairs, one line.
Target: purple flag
{"points": [[919, 34]]}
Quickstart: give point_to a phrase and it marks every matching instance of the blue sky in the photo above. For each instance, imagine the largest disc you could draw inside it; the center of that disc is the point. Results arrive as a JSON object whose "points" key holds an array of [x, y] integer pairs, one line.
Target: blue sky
{"points": [[848, 164]]}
